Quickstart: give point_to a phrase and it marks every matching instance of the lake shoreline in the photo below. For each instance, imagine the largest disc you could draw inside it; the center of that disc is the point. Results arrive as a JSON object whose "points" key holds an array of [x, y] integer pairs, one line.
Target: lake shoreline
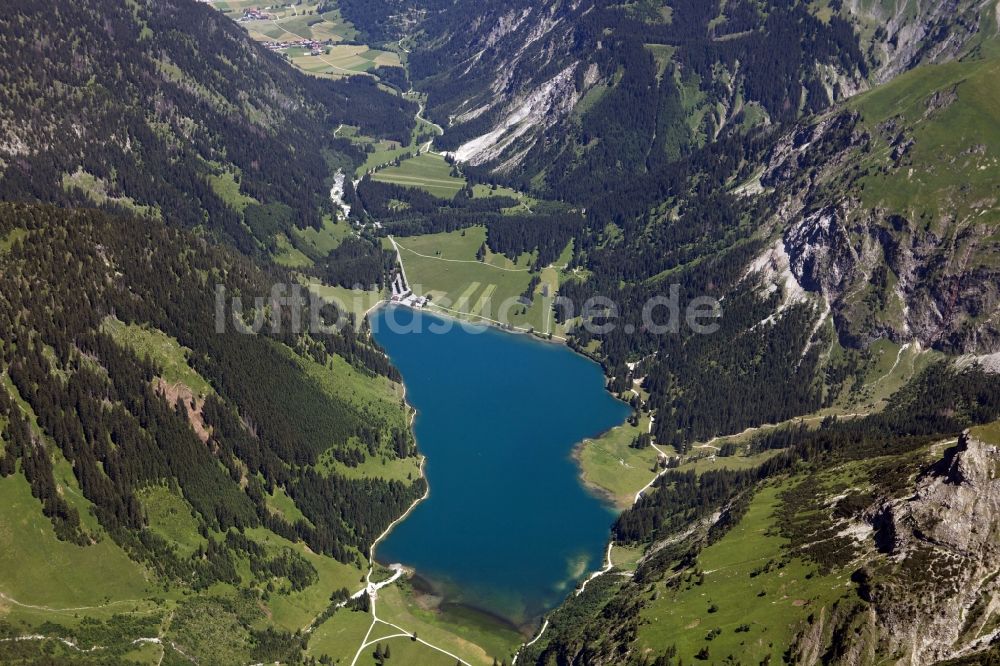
{"points": [[424, 588], [464, 318], [597, 490]]}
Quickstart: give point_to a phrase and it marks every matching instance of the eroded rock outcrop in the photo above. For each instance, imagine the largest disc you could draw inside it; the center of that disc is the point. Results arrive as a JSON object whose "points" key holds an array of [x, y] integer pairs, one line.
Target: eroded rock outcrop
{"points": [[937, 595], [886, 272]]}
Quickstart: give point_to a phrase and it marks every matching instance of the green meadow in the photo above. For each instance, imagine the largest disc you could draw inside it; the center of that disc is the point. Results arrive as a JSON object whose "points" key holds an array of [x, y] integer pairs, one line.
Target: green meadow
{"points": [[615, 469], [340, 636], [7, 242], [474, 637], [304, 247], [289, 256], [375, 398], [444, 268], [162, 349], [342, 60], [405, 651], [54, 587], [37, 569], [226, 187], [354, 301], [747, 599], [526, 205], [989, 433], [962, 121], [428, 171], [889, 368], [294, 22], [318, 243], [96, 190], [171, 517]]}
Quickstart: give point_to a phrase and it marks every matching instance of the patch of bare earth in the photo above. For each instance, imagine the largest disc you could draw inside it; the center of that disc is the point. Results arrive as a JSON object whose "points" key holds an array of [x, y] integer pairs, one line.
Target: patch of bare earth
{"points": [[194, 406]]}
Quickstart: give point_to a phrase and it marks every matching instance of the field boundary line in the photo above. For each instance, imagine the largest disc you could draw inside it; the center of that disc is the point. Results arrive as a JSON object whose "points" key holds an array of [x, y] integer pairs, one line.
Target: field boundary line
{"points": [[463, 261]]}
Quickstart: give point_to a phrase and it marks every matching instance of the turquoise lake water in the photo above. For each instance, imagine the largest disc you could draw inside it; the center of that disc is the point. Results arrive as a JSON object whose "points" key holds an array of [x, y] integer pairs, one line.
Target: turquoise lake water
{"points": [[508, 528]]}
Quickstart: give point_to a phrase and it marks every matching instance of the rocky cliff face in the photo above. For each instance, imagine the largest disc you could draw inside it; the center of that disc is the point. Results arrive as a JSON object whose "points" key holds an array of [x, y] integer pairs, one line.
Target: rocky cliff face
{"points": [[519, 78], [939, 596], [916, 31], [927, 589], [515, 78], [509, 78], [888, 213]]}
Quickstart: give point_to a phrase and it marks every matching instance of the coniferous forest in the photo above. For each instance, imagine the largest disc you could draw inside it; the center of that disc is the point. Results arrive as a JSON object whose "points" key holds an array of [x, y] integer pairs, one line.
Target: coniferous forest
{"points": [[812, 481], [99, 405]]}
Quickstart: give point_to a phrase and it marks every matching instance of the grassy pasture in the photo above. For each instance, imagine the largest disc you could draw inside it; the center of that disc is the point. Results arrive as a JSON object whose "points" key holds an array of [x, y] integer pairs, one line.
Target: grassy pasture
{"points": [[427, 172], [295, 610], [730, 596], [7, 242], [289, 256], [38, 569], [377, 398], [406, 651], [444, 267], [171, 517], [306, 246], [952, 166], [480, 191], [705, 463], [96, 190], [892, 367], [66, 482], [614, 469], [989, 433], [321, 242], [292, 23], [381, 467], [663, 54], [354, 301], [342, 60], [226, 188], [383, 152], [469, 635], [162, 349], [280, 503], [340, 636]]}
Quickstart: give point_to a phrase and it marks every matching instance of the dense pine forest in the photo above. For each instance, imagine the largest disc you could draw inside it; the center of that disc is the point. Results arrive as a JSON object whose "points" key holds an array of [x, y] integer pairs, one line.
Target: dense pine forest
{"points": [[156, 100], [99, 404], [814, 481], [664, 63]]}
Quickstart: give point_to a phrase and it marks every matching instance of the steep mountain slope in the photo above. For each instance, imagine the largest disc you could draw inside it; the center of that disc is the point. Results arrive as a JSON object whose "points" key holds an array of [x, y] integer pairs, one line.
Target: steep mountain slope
{"points": [[535, 90], [238, 482], [901, 35], [876, 220], [594, 87], [175, 489], [867, 541], [145, 105], [895, 224], [200, 459]]}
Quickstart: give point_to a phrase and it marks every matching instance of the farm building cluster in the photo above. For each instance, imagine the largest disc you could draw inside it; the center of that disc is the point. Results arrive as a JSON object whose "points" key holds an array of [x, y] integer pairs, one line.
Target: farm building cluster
{"points": [[256, 15], [402, 294], [315, 47]]}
